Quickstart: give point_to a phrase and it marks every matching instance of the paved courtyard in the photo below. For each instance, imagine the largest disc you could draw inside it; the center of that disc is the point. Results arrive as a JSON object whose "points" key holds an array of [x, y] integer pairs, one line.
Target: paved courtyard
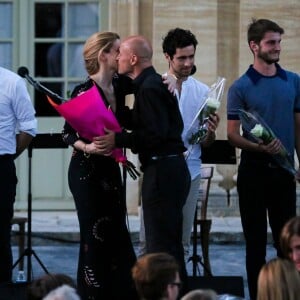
{"points": [[227, 259], [55, 242]]}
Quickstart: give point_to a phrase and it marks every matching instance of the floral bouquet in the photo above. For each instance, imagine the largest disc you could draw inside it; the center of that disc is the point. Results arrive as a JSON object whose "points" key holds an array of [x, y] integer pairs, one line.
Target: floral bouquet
{"points": [[209, 106], [262, 133], [88, 115]]}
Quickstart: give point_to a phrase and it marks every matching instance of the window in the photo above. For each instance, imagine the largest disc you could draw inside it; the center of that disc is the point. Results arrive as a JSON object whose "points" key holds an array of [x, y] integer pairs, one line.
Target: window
{"points": [[6, 35], [48, 38], [60, 30]]}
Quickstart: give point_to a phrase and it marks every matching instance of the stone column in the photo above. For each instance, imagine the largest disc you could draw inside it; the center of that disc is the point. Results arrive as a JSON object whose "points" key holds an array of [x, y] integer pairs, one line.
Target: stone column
{"points": [[227, 66], [124, 17]]}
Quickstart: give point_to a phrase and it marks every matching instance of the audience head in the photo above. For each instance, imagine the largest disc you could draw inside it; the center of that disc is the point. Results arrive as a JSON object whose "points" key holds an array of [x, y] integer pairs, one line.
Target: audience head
{"points": [[200, 295], [156, 276], [64, 292], [290, 241], [135, 55], [278, 280], [41, 286], [95, 45]]}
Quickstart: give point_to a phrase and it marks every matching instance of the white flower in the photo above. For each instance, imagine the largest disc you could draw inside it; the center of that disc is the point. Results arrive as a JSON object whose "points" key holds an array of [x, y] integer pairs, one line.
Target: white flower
{"points": [[209, 107], [213, 103], [257, 130]]}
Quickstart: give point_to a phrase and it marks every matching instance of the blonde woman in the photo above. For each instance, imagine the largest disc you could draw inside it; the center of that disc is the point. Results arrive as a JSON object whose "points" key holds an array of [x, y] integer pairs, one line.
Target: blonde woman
{"points": [[290, 241], [278, 280], [106, 253]]}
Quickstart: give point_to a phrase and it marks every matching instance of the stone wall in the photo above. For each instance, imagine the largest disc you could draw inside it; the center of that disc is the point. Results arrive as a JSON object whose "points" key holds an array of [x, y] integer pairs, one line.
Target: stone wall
{"points": [[220, 27]]}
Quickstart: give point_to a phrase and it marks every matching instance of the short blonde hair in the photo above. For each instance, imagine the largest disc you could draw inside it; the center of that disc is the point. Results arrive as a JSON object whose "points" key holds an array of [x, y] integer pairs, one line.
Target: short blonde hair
{"points": [[278, 280], [96, 44]]}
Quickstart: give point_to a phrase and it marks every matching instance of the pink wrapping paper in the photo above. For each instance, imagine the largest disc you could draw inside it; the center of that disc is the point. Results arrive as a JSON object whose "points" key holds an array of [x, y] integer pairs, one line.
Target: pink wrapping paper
{"points": [[88, 115]]}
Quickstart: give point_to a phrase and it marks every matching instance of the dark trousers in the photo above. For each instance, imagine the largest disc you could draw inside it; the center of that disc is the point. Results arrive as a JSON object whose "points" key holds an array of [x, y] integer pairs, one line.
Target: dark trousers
{"points": [[8, 182], [263, 192], [165, 187]]}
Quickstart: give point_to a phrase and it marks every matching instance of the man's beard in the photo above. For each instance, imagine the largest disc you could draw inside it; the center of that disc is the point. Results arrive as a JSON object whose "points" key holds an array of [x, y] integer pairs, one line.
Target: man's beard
{"points": [[267, 58], [182, 73]]}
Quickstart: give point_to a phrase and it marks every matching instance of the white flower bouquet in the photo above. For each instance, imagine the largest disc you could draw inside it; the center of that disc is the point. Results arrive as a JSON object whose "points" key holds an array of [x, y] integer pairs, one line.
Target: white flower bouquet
{"points": [[262, 133], [209, 106]]}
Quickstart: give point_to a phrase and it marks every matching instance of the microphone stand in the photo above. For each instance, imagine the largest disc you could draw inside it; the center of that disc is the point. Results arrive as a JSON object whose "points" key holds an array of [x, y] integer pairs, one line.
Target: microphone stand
{"points": [[124, 186], [40, 141], [23, 72], [29, 251]]}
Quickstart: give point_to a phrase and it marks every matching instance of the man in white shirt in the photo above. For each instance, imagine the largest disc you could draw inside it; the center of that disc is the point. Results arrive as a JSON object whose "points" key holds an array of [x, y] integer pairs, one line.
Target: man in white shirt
{"points": [[18, 126], [179, 47]]}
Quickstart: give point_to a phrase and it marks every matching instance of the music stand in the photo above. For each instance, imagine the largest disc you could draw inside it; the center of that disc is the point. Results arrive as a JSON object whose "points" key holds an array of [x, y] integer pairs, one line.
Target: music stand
{"points": [[196, 258], [205, 224], [40, 141], [219, 152]]}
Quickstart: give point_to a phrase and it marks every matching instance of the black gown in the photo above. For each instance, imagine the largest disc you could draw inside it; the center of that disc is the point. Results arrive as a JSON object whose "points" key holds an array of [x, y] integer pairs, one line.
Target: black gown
{"points": [[106, 254]]}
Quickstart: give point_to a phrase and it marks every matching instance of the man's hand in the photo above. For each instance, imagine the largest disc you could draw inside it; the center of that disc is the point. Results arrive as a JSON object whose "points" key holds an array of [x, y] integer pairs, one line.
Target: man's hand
{"points": [[274, 147], [23, 140], [105, 143], [213, 122]]}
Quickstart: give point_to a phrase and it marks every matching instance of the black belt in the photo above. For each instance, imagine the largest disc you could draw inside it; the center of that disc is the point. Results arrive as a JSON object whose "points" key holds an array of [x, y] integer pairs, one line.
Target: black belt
{"points": [[7, 155], [261, 164], [159, 157]]}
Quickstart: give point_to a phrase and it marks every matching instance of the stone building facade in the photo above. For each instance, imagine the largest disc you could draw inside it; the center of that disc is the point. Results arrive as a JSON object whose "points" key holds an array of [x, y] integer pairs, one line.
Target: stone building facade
{"points": [[220, 27]]}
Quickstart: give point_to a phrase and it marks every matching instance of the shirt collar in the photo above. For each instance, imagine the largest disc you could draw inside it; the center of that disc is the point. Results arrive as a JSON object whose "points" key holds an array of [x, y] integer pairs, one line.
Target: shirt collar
{"points": [[141, 77], [256, 76]]}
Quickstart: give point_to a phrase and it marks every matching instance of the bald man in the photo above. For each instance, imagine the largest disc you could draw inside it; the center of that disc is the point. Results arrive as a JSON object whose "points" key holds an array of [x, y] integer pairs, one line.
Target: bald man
{"points": [[156, 137]]}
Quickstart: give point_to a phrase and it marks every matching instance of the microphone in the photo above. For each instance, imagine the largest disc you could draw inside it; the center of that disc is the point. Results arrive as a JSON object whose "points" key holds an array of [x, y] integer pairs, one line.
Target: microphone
{"points": [[23, 72]]}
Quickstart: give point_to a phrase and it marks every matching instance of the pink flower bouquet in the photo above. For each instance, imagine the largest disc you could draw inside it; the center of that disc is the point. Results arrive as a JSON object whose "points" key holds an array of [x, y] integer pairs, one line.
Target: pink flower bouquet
{"points": [[88, 115]]}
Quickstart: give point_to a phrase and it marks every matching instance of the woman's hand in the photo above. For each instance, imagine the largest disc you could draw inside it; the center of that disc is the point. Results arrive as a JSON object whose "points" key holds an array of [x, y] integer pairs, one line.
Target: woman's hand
{"points": [[171, 81]]}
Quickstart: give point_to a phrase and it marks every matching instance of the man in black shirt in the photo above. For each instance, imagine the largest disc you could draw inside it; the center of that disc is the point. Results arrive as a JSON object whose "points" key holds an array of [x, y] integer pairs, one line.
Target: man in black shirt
{"points": [[156, 137]]}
